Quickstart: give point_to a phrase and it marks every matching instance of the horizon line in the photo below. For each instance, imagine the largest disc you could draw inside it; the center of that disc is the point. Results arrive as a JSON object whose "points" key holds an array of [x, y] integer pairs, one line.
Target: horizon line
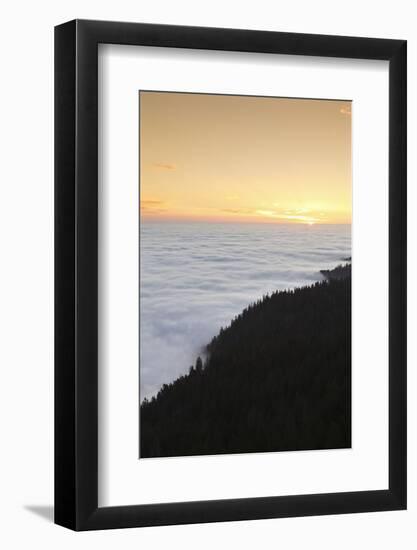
{"points": [[147, 219]]}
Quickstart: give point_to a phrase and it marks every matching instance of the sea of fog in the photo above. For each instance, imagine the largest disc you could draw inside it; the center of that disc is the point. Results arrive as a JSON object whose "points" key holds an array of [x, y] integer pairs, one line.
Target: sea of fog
{"points": [[195, 277]]}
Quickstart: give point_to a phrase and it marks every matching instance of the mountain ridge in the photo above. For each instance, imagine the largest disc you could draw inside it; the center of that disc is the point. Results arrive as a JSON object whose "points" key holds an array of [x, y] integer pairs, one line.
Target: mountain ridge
{"points": [[276, 378]]}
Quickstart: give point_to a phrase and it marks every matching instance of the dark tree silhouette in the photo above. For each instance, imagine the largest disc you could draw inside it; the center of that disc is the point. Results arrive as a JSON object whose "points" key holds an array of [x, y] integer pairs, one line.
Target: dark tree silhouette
{"points": [[277, 379], [199, 365]]}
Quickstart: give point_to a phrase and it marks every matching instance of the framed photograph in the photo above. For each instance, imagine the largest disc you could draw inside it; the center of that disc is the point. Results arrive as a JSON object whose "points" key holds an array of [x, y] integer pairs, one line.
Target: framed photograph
{"points": [[230, 275]]}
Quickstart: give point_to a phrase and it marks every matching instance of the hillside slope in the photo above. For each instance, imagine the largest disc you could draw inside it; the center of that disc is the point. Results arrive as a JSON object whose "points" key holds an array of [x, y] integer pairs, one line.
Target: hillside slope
{"points": [[278, 378]]}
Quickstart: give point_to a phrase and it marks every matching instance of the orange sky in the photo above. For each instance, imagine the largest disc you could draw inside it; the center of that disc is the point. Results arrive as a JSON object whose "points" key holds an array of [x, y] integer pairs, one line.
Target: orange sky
{"points": [[244, 159]]}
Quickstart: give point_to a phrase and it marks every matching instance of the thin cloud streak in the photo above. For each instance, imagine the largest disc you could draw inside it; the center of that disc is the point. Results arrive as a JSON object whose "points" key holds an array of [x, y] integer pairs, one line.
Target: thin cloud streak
{"points": [[302, 215], [161, 166], [152, 207]]}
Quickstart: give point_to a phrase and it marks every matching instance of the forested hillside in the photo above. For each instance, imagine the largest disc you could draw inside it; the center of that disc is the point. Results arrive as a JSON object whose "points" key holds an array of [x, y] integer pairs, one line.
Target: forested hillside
{"points": [[277, 378]]}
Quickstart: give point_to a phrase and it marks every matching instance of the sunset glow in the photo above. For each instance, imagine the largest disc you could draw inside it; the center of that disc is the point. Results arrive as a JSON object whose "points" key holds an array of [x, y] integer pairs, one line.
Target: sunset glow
{"points": [[226, 158]]}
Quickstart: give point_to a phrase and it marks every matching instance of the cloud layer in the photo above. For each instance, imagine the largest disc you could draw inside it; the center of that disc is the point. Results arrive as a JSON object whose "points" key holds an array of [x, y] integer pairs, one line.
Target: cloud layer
{"points": [[196, 277]]}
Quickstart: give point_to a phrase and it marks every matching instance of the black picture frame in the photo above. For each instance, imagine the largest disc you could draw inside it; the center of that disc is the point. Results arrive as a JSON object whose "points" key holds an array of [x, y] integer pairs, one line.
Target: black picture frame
{"points": [[76, 272]]}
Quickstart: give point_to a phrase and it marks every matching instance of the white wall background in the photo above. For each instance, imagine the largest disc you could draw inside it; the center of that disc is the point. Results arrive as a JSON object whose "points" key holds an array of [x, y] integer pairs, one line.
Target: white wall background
{"points": [[26, 271]]}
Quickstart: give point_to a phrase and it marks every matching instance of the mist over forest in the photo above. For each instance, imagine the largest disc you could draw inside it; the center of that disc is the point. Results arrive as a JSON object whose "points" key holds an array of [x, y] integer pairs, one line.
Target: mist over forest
{"points": [[277, 378], [196, 277]]}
